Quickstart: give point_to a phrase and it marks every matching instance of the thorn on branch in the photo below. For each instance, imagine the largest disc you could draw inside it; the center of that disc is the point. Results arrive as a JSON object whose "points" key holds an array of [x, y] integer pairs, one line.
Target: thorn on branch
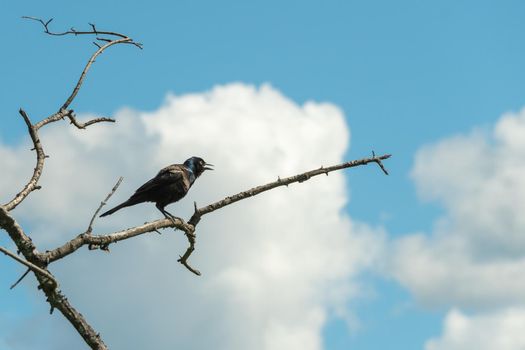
{"points": [[94, 29], [379, 162]]}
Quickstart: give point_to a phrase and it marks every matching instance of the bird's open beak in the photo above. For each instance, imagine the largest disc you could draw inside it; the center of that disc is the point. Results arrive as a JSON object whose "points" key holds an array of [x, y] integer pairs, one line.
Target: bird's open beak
{"points": [[207, 168]]}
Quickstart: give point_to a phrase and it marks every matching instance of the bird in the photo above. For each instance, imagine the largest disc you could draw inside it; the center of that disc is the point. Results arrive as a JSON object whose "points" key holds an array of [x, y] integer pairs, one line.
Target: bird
{"points": [[169, 186]]}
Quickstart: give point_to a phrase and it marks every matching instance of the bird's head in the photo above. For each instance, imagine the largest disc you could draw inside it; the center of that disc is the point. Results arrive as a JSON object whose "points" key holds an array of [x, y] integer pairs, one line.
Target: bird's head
{"points": [[197, 165]]}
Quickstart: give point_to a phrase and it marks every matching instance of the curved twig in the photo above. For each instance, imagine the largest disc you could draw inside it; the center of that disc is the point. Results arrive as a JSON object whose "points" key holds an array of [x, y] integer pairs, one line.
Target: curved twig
{"points": [[40, 157], [121, 39], [86, 69], [73, 31], [72, 118]]}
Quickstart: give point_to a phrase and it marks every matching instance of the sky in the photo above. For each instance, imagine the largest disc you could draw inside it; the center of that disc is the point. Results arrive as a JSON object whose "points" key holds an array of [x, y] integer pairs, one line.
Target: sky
{"points": [[426, 258]]}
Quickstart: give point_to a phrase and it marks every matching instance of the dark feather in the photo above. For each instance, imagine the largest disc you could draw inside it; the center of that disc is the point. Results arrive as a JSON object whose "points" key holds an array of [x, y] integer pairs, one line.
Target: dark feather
{"points": [[170, 185]]}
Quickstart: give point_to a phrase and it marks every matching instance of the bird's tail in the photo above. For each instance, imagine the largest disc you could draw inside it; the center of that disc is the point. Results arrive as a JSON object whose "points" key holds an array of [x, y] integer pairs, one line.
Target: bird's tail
{"points": [[118, 207]]}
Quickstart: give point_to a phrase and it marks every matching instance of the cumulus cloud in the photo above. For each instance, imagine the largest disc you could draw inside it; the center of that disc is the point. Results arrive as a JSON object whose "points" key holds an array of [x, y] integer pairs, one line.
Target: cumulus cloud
{"points": [[275, 267], [502, 330], [476, 254]]}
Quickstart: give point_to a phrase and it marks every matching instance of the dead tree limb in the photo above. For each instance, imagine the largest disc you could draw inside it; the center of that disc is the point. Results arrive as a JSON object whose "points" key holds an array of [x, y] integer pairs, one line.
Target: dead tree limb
{"points": [[188, 228], [34, 260], [31, 266], [38, 262]]}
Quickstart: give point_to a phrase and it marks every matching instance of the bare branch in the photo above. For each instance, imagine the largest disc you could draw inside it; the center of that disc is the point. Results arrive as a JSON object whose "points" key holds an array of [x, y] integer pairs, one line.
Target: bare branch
{"points": [[38, 262], [31, 266], [189, 228], [57, 300], [120, 39], [47, 282], [22, 241], [40, 157], [76, 32], [194, 220], [86, 69], [184, 259], [70, 114], [72, 118], [90, 226], [105, 240]]}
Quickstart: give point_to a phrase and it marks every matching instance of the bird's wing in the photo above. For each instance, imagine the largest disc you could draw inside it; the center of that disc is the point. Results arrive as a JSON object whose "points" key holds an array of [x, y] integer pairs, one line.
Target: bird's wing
{"points": [[171, 174]]}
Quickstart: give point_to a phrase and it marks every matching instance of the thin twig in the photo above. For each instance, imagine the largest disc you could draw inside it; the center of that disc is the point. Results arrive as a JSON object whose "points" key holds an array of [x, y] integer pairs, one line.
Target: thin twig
{"points": [[194, 220], [20, 279], [33, 267], [120, 39], [72, 118], [77, 87], [90, 226], [184, 259], [76, 32], [70, 114]]}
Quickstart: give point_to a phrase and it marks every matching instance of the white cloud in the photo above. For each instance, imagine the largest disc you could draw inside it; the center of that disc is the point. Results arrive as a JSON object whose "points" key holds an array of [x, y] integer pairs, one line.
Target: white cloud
{"points": [[476, 255], [275, 266], [502, 330]]}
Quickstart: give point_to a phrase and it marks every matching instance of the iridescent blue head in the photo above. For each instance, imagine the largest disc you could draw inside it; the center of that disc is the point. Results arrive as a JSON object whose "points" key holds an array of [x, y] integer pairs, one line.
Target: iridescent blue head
{"points": [[197, 165]]}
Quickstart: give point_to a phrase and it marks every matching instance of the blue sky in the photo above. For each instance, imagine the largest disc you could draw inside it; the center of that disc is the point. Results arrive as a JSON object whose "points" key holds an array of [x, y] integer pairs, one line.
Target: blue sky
{"points": [[406, 74]]}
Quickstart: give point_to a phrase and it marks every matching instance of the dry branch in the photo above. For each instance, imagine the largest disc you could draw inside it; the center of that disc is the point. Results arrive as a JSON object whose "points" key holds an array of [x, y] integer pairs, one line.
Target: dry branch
{"points": [[31, 266], [33, 259], [119, 39], [283, 182], [90, 226], [40, 157], [104, 241], [38, 262]]}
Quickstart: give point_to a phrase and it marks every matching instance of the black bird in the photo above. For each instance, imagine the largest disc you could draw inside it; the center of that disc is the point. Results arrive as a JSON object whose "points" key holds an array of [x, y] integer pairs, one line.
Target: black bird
{"points": [[170, 185]]}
